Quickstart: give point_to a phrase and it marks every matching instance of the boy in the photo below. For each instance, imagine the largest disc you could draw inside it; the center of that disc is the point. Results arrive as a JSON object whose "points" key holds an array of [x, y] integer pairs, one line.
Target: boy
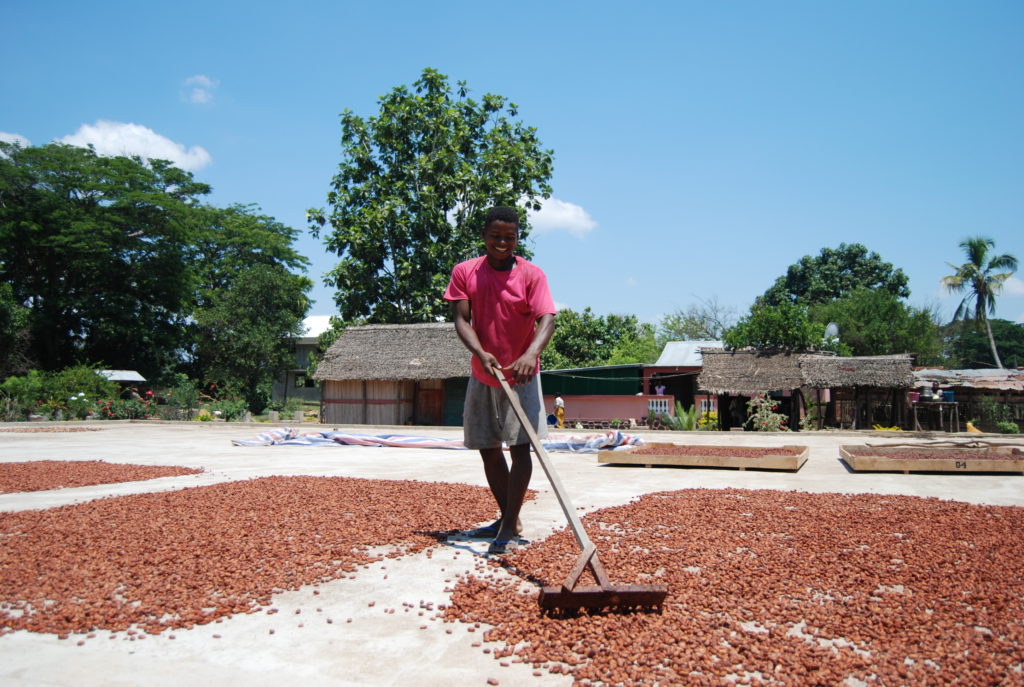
{"points": [[504, 314]]}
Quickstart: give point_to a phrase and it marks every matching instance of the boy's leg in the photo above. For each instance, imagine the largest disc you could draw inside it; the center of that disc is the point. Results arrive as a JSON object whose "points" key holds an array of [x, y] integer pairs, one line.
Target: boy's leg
{"points": [[517, 481], [507, 486], [496, 471]]}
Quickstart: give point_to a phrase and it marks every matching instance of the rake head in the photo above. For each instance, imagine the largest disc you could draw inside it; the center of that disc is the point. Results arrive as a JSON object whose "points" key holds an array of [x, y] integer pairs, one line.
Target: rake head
{"points": [[602, 599]]}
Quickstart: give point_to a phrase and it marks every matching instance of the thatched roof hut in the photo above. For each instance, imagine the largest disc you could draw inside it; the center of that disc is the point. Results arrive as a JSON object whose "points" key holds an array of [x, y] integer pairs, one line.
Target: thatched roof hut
{"points": [[747, 372], [879, 371], [396, 352], [394, 374]]}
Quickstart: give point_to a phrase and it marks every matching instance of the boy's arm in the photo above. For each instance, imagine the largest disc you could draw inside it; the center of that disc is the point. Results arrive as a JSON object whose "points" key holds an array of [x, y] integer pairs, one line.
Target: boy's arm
{"points": [[524, 368], [462, 314]]}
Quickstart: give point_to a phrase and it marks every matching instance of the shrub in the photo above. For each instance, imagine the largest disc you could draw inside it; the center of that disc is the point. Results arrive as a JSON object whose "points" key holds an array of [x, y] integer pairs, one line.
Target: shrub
{"points": [[124, 409], [227, 409], [180, 400], [286, 408], [812, 420], [993, 412], [763, 416], [24, 394], [71, 391], [1008, 427], [708, 421], [685, 420]]}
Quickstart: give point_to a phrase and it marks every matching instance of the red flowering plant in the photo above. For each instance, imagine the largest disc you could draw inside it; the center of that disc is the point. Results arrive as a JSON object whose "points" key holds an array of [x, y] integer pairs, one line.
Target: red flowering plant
{"points": [[763, 415], [124, 409]]}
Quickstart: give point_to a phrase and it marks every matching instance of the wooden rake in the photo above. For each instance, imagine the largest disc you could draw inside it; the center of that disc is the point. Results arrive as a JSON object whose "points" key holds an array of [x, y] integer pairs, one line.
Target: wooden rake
{"points": [[570, 596]]}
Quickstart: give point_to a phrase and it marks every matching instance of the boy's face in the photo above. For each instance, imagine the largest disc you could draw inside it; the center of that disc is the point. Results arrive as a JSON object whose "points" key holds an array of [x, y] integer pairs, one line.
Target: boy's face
{"points": [[500, 240]]}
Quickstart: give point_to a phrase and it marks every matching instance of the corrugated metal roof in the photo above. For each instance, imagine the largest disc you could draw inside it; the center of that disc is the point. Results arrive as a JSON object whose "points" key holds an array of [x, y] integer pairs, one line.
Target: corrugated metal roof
{"points": [[1002, 380], [685, 353], [122, 375]]}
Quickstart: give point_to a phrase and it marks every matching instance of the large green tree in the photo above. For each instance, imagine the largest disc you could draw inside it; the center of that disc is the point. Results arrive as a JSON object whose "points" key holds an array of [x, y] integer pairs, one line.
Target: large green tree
{"points": [[785, 326], [245, 334], [116, 260], [834, 273], [250, 300], [411, 190], [641, 346], [967, 347], [876, 322], [583, 339], [96, 249], [15, 352], [981, 279]]}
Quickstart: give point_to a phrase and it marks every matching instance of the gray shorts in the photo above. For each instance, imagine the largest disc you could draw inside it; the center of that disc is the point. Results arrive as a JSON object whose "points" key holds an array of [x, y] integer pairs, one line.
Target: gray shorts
{"points": [[488, 419]]}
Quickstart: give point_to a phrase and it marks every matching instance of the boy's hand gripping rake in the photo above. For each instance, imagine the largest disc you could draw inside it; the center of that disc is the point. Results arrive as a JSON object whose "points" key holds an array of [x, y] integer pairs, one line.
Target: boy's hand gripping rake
{"points": [[569, 596]]}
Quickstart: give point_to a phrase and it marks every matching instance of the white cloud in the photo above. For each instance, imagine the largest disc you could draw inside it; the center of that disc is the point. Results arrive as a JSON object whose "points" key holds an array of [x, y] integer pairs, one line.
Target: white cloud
{"points": [[316, 324], [120, 138], [199, 89], [1014, 286], [557, 215], [15, 138]]}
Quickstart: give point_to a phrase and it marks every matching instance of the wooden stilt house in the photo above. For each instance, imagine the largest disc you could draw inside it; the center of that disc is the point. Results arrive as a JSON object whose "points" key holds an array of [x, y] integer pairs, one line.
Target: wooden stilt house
{"points": [[391, 374]]}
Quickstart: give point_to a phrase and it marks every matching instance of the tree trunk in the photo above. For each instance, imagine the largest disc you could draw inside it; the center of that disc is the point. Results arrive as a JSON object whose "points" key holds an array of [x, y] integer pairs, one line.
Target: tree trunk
{"points": [[992, 342]]}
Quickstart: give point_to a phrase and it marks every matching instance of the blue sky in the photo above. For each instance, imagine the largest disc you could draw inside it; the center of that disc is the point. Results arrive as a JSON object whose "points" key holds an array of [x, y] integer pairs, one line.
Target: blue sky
{"points": [[700, 148]]}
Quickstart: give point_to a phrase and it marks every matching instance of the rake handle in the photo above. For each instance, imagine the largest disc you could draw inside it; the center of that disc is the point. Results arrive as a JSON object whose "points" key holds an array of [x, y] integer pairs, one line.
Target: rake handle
{"points": [[589, 555]]}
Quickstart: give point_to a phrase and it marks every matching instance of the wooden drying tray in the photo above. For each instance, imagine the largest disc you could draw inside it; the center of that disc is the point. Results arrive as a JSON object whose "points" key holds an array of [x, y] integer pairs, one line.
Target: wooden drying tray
{"points": [[793, 461], [948, 457]]}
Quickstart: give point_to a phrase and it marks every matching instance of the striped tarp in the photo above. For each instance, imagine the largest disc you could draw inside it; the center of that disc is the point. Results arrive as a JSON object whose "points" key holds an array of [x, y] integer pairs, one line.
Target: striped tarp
{"points": [[289, 436]]}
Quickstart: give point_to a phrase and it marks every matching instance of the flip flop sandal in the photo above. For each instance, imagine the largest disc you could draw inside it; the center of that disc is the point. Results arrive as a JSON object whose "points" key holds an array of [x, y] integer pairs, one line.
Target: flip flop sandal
{"points": [[485, 532], [500, 547]]}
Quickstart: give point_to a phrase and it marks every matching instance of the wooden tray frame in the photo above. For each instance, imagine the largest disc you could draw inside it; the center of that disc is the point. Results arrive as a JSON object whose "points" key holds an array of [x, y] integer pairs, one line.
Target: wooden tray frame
{"points": [[791, 462], [937, 464]]}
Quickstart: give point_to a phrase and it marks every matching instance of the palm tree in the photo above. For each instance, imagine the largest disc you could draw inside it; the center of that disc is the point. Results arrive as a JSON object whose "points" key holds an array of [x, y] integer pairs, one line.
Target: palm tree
{"points": [[978, 277]]}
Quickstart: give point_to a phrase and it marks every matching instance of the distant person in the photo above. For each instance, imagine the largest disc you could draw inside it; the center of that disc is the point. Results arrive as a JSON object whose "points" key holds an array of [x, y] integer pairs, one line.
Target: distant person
{"points": [[560, 411], [660, 389], [505, 316]]}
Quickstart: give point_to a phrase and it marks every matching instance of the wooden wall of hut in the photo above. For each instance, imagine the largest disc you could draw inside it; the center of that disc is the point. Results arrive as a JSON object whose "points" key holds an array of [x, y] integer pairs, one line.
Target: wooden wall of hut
{"points": [[370, 402]]}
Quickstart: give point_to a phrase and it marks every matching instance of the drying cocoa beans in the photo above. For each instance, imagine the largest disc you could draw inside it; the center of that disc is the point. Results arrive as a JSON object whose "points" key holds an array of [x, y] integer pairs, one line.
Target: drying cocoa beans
{"points": [[727, 451], [186, 557], [771, 587], [41, 475]]}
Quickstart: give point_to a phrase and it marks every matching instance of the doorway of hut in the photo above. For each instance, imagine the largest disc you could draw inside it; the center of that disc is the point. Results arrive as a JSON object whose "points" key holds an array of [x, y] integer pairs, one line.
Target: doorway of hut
{"points": [[429, 407], [732, 412]]}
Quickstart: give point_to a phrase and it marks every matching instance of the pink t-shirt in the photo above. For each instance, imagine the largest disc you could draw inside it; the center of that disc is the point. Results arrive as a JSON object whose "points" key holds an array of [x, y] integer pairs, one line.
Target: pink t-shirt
{"points": [[505, 307]]}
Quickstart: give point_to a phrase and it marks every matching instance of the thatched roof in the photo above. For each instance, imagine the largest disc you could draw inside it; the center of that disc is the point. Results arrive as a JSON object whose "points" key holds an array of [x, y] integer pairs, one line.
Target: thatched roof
{"points": [[884, 371], [396, 351], [748, 372]]}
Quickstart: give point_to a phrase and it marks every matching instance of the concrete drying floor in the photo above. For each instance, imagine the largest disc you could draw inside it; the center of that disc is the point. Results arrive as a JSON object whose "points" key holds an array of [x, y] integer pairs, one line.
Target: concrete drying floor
{"points": [[377, 648]]}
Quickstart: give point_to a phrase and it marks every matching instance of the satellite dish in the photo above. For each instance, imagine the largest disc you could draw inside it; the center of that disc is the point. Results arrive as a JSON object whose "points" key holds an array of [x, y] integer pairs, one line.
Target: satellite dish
{"points": [[832, 331]]}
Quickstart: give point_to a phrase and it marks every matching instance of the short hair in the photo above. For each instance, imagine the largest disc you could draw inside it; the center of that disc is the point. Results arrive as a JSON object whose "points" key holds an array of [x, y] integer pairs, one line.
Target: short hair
{"points": [[502, 213]]}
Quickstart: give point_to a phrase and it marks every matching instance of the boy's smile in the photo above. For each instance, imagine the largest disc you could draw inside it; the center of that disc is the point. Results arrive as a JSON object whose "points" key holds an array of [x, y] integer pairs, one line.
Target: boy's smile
{"points": [[500, 240]]}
